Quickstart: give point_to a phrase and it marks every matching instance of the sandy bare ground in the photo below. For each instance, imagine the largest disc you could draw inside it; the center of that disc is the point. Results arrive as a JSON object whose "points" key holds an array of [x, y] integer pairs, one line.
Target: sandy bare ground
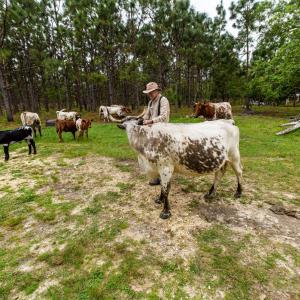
{"points": [[80, 180]]}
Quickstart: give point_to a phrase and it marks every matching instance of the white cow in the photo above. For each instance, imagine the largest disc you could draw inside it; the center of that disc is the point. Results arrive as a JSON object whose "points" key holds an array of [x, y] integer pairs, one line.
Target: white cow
{"points": [[203, 147], [31, 119], [116, 110], [67, 115]]}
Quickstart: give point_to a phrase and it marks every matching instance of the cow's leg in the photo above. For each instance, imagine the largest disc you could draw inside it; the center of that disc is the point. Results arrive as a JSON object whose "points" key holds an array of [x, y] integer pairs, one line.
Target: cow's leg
{"points": [[29, 146], [218, 176], [165, 176], [6, 152], [237, 168], [74, 137], [87, 133], [40, 130], [59, 136], [32, 142]]}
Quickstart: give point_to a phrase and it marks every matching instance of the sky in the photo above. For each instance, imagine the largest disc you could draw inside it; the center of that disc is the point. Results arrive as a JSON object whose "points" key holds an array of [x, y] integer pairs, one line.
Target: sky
{"points": [[209, 7]]}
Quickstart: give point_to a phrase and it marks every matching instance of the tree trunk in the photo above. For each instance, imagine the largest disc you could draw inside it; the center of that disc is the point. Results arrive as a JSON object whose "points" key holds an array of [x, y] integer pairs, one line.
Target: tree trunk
{"points": [[7, 105], [110, 88], [137, 96]]}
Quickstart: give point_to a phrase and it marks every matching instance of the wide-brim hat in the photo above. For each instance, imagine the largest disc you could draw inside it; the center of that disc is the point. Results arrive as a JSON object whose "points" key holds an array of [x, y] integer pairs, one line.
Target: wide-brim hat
{"points": [[150, 87]]}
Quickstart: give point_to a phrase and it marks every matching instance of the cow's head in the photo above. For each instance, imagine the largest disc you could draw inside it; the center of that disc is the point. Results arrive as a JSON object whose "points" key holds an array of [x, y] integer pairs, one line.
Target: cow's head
{"points": [[89, 123], [199, 109], [130, 122], [202, 109]]}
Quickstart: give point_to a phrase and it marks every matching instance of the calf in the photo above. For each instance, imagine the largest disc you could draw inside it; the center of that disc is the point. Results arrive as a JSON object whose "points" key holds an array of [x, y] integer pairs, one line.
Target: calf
{"points": [[213, 111], [8, 137], [65, 125], [204, 147], [114, 110], [67, 115], [82, 126], [31, 119]]}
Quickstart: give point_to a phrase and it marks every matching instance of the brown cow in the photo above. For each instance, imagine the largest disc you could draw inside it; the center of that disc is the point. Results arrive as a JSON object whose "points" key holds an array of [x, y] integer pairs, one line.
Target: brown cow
{"points": [[213, 111], [65, 125], [82, 126]]}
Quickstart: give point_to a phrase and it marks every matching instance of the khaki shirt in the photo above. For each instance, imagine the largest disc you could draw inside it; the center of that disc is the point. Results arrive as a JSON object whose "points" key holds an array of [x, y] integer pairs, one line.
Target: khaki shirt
{"points": [[152, 111]]}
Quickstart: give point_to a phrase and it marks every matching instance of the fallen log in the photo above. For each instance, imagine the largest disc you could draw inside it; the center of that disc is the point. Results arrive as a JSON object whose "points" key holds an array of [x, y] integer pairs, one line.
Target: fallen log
{"points": [[296, 118], [295, 126], [50, 122]]}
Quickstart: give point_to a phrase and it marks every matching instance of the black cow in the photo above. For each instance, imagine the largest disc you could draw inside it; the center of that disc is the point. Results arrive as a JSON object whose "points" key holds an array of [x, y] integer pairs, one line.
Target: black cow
{"points": [[8, 137]]}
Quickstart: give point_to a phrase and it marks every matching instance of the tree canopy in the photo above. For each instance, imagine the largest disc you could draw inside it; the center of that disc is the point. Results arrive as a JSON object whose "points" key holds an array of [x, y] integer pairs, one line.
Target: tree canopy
{"points": [[56, 54]]}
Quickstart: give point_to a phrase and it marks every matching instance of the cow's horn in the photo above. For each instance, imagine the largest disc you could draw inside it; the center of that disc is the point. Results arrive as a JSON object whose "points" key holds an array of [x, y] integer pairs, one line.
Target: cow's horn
{"points": [[116, 120]]}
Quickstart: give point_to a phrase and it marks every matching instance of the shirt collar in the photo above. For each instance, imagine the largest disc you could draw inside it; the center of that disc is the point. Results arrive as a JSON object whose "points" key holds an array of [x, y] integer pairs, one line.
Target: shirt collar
{"points": [[158, 96]]}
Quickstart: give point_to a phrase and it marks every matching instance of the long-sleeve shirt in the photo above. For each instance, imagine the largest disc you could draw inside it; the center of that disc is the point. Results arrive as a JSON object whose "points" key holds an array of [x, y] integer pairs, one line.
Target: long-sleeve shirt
{"points": [[152, 111]]}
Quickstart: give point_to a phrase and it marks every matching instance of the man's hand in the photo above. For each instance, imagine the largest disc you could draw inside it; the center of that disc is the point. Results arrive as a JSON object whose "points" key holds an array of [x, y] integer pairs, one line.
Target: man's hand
{"points": [[147, 122]]}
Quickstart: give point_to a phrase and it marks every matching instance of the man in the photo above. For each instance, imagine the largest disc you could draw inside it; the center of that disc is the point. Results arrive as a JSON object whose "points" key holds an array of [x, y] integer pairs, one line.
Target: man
{"points": [[158, 111]]}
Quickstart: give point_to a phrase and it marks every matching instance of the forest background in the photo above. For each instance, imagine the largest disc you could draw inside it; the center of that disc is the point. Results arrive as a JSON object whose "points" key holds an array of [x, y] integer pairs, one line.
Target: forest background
{"points": [[81, 54]]}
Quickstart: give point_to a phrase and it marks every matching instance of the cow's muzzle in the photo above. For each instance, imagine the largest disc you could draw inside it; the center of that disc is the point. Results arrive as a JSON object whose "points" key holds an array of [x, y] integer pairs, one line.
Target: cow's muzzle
{"points": [[121, 126]]}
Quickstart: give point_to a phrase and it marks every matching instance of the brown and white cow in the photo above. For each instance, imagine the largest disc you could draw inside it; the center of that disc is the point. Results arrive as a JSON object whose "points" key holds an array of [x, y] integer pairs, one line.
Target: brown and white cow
{"points": [[83, 126], [67, 115], [202, 148], [66, 126], [119, 111], [213, 111], [31, 119]]}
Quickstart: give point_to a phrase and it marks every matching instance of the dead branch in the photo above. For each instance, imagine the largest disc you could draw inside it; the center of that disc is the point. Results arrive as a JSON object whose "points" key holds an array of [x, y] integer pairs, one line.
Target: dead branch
{"points": [[295, 126]]}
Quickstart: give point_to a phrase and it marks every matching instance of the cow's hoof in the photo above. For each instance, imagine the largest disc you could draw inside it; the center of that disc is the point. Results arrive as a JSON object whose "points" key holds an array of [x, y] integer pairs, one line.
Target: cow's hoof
{"points": [[208, 197], [165, 215], [158, 200], [237, 195]]}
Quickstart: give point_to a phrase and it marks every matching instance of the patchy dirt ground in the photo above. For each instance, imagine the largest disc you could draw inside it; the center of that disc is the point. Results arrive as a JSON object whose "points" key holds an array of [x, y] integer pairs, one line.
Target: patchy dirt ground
{"points": [[75, 184]]}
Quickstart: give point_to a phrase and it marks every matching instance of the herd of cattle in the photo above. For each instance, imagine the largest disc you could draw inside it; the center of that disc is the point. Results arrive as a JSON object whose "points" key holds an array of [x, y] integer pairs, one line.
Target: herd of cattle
{"points": [[162, 148]]}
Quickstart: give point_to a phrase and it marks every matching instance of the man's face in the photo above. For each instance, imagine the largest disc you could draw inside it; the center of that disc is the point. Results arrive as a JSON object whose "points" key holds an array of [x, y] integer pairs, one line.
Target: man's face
{"points": [[152, 95]]}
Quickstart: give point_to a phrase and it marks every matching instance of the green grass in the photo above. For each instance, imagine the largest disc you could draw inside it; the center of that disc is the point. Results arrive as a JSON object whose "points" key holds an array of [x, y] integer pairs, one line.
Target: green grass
{"points": [[86, 253], [223, 260]]}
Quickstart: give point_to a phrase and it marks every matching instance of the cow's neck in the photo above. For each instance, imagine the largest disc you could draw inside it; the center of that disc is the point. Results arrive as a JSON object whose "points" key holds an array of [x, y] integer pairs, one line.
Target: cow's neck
{"points": [[137, 134]]}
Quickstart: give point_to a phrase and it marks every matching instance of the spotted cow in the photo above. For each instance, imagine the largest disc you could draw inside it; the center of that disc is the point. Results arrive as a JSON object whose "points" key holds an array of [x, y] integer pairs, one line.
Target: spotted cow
{"points": [[213, 111], [8, 137], [83, 126], [67, 115], [119, 111], [31, 119], [200, 148]]}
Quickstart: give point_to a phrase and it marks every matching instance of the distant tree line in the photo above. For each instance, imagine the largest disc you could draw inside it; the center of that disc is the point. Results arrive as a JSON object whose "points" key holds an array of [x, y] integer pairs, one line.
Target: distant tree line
{"points": [[80, 54]]}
